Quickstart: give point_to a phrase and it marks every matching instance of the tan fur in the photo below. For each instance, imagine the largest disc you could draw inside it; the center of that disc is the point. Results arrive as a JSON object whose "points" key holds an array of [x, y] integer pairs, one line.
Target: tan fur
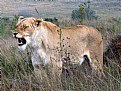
{"points": [[51, 45]]}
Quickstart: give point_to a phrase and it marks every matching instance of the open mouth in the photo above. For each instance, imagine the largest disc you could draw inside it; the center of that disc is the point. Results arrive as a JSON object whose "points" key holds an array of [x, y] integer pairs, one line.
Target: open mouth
{"points": [[21, 41]]}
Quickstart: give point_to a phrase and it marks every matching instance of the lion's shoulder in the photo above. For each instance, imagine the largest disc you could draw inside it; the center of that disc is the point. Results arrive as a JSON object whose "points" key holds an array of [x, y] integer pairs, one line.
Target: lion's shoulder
{"points": [[50, 26]]}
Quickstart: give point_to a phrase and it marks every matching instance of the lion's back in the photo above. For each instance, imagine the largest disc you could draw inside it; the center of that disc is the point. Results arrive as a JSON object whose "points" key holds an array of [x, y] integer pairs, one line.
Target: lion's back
{"points": [[81, 37], [81, 31]]}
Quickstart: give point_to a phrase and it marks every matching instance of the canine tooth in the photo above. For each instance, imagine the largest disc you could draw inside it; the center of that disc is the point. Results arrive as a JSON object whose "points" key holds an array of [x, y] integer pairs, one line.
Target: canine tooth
{"points": [[20, 43]]}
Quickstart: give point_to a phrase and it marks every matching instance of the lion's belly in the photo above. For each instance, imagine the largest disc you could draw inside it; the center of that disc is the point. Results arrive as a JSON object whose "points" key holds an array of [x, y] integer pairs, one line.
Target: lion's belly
{"points": [[73, 51]]}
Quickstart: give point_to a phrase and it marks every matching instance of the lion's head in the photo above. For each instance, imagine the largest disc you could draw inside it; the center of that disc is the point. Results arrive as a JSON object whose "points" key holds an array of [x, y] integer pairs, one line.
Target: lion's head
{"points": [[24, 30]]}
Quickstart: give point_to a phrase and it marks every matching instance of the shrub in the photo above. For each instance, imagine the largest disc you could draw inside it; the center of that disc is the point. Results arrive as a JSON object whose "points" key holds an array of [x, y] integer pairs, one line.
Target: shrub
{"points": [[84, 13]]}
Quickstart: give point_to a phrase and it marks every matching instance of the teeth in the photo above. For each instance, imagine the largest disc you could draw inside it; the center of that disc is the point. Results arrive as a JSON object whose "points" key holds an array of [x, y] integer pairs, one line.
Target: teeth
{"points": [[20, 43]]}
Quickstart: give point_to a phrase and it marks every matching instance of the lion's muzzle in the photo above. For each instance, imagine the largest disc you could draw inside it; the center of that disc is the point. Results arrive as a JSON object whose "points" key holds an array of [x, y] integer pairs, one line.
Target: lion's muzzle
{"points": [[20, 39]]}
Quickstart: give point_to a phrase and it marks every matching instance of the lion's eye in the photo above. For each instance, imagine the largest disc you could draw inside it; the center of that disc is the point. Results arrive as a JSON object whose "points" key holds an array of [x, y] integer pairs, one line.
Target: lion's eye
{"points": [[24, 26]]}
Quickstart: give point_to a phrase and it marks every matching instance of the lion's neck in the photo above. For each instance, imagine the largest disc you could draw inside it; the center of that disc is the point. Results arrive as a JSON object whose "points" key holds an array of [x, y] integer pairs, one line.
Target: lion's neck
{"points": [[44, 36], [38, 46], [39, 36]]}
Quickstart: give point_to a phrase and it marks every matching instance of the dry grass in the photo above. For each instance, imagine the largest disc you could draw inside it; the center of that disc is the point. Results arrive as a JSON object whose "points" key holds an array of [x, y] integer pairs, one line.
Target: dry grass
{"points": [[18, 74]]}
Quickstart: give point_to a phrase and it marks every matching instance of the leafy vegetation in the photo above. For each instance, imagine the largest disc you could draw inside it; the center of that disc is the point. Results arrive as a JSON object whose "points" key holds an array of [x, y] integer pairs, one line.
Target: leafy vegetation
{"points": [[53, 20], [84, 13], [7, 24]]}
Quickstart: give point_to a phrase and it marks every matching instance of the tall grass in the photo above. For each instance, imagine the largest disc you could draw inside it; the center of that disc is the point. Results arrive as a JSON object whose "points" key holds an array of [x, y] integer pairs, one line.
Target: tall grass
{"points": [[18, 73]]}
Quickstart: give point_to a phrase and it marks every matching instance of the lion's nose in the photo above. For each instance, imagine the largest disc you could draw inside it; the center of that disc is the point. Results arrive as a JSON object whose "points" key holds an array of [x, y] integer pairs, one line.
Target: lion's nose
{"points": [[14, 34]]}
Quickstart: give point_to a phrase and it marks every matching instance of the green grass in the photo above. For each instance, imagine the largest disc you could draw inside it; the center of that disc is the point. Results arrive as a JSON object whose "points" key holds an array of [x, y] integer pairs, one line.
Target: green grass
{"points": [[18, 73]]}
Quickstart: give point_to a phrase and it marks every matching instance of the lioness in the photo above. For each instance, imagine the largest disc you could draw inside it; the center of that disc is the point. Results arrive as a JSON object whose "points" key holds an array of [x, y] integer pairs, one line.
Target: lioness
{"points": [[51, 44]]}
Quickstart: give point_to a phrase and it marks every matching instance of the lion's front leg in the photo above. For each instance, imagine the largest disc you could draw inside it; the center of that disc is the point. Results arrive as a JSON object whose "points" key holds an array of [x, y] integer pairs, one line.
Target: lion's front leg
{"points": [[54, 72], [49, 75], [41, 76]]}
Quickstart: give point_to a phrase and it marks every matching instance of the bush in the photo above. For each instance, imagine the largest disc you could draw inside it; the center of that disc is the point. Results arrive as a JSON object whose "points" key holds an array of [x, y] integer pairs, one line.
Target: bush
{"points": [[84, 13], [53, 20], [112, 55]]}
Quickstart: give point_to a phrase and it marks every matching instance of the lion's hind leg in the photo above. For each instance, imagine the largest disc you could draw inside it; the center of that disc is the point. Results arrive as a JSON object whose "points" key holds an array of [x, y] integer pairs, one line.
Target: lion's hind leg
{"points": [[96, 68], [95, 63]]}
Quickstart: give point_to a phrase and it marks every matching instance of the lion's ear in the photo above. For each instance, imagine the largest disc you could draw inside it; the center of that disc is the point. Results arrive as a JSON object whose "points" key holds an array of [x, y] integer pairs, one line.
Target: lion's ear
{"points": [[20, 18], [38, 21]]}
